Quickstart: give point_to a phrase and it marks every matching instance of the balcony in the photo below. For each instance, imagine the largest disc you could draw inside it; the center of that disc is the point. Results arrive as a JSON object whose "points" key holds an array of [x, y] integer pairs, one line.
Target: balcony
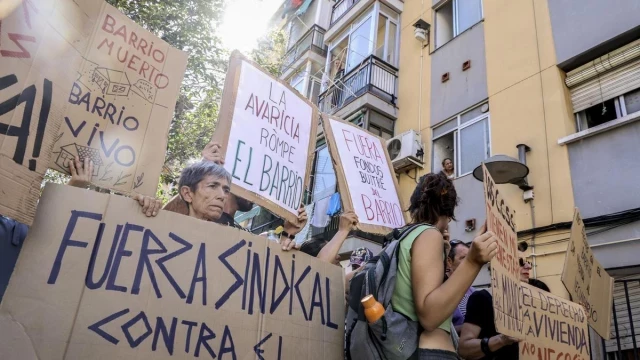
{"points": [[372, 76], [312, 40], [340, 8]]}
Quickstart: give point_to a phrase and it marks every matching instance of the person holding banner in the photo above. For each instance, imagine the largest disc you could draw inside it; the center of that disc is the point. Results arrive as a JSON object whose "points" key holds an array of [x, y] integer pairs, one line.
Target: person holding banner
{"points": [[81, 173], [421, 292], [232, 204], [479, 338]]}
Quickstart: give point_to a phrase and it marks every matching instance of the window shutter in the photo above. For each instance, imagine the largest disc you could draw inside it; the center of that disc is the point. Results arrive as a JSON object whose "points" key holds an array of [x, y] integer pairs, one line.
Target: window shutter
{"points": [[606, 77], [607, 86]]}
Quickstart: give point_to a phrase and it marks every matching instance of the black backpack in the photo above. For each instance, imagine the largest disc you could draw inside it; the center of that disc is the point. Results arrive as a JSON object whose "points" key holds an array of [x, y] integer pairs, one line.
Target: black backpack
{"points": [[394, 336]]}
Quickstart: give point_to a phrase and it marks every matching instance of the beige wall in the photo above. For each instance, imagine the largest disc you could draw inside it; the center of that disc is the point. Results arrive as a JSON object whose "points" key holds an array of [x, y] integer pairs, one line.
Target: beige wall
{"points": [[413, 107], [529, 104]]}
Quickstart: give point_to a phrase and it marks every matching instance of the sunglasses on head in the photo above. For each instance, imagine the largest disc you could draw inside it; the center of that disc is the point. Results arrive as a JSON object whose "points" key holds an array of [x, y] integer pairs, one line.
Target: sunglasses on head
{"points": [[523, 262], [455, 242]]}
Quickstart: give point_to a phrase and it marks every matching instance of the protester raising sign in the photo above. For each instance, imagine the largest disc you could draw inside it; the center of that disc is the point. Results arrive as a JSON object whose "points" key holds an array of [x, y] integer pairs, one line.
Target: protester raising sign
{"points": [[586, 280], [82, 76], [554, 328], [96, 279], [119, 108], [364, 174], [505, 269], [268, 132]]}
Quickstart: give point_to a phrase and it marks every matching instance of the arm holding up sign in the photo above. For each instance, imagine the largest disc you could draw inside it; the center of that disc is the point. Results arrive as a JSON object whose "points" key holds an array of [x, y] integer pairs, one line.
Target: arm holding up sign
{"points": [[429, 291], [81, 177], [287, 236], [348, 222]]}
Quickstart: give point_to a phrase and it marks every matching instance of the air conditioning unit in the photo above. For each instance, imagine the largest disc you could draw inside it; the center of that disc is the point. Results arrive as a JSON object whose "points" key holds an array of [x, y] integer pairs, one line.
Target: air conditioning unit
{"points": [[405, 151]]}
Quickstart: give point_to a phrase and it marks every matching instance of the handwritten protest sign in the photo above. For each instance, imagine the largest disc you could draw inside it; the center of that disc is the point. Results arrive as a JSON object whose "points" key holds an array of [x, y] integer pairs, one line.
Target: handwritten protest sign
{"points": [[121, 104], [364, 172], [586, 280], [554, 328], [505, 269], [74, 74], [267, 131], [33, 83], [96, 279]]}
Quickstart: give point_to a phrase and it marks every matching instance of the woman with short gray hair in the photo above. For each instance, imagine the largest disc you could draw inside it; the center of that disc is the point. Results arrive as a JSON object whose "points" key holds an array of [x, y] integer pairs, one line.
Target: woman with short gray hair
{"points": [[204, 186]]}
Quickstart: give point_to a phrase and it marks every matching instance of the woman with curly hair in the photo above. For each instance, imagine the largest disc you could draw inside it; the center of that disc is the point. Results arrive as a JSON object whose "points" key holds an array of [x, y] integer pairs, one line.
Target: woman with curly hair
{"points": [[421, 292]]}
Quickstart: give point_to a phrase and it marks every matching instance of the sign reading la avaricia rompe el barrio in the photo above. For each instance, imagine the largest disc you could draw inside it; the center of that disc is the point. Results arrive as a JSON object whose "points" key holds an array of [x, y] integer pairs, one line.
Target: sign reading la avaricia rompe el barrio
{"points": [[268, 133]]}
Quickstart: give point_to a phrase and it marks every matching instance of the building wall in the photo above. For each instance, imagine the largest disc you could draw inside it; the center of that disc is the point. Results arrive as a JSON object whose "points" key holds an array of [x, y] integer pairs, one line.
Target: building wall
{"points": [[604, 170], [464, 88], [414, 79], [580, 25], [528, 103]]}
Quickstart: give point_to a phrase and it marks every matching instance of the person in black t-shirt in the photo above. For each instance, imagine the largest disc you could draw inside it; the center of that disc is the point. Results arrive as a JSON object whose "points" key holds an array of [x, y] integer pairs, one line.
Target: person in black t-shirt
{"points": [[479, 338]]}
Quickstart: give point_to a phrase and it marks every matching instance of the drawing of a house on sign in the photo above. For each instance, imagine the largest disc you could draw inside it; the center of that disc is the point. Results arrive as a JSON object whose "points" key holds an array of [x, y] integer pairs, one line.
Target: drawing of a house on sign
{"points": [[69, 152], [111, 82]]}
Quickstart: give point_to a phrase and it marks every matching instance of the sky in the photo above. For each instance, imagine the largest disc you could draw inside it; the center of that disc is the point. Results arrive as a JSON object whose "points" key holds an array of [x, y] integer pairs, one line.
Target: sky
{"points": [[245, 21]]}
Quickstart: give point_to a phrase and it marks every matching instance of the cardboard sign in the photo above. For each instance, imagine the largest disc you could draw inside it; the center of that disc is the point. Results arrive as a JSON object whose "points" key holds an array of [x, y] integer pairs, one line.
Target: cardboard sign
{"points": [[366, 179], [121, 103], [96, 279], [505, 267], [38, 47], [554, 328], [585, 279], [82, 76], [268, 134]]}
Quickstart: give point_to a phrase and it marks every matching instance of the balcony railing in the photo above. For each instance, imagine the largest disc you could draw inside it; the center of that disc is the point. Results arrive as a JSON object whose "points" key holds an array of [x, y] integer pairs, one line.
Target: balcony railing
{"points": [[312, 40], [340, 8], [373, 75]]}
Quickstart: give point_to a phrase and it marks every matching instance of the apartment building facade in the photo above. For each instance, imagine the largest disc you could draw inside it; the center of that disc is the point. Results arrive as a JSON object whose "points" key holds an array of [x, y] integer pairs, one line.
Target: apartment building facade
{"points": [[343, 56], [560, 77]]}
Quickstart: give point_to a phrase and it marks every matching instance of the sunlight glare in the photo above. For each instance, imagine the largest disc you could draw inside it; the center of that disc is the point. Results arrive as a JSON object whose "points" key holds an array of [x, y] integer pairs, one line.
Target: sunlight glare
{"points": [[245, 21]]}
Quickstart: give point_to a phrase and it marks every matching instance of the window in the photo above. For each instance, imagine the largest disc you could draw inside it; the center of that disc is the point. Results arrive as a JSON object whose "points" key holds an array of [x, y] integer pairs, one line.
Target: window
{"points": [[376, 32], [314, 90], [297, 82], [359, 44], [380, 125], [386, 35], [464, 139], [612, 109], [324, 177], [454, 17]]}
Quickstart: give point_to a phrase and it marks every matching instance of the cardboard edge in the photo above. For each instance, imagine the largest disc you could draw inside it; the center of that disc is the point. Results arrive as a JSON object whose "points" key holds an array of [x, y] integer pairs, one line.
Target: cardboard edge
{"points": [[343, 187]]}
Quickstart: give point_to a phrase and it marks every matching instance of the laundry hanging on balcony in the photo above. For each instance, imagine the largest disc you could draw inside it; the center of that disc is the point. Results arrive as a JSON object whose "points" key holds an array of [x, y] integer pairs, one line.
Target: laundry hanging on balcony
{"points": [[304, 7], [291, 6]]}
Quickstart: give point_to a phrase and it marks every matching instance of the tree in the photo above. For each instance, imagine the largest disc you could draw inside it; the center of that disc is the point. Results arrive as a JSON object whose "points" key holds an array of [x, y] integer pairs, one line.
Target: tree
{"points": [[188, 25], [270, 51]]}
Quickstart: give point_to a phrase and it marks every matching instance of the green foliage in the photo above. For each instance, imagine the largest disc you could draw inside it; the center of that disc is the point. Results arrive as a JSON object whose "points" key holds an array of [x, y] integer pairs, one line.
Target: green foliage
{"points": [[55, 177], [270, 50], [188, 25]]}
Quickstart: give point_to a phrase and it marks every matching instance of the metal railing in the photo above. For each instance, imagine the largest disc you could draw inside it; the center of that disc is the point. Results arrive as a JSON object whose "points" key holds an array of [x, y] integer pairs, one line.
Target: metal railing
{"points": [[312, 40], [371, 75], [625, 327], [340, 8]]}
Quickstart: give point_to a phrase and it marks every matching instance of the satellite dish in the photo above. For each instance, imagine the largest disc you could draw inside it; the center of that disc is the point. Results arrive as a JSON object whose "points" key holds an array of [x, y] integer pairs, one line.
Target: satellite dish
{"points": [[393, 147]]}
